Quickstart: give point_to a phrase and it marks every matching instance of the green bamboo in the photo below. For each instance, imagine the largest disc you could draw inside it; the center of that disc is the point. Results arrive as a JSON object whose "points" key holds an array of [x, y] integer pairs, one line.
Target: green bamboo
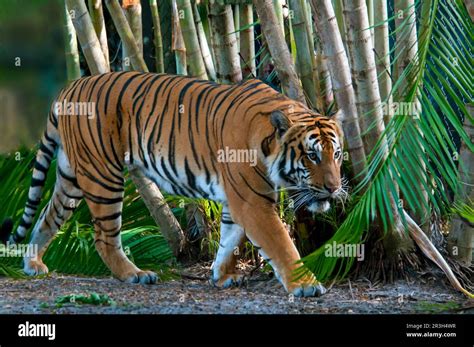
{"points": [[155, 15], [247, 41], [133, 13], [206, 51], [87, 37], [303, 54], [126, 35], [71, 50], [178, 46], [224, 43], [188, 30], [382, 53]]}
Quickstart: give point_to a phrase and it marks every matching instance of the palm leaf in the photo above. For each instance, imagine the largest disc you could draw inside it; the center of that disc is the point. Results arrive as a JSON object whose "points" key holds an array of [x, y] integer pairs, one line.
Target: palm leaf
{"points": [[443, 85]]}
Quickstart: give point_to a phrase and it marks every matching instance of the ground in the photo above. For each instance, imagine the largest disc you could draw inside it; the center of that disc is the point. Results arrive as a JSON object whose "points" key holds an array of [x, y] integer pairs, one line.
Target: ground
{"points": [[193, 294]]}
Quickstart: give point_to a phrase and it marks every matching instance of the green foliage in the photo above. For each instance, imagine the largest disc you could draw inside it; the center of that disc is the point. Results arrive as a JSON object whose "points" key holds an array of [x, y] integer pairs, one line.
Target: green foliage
{"points": [[81, 299], [442, 83], [73, 251]]}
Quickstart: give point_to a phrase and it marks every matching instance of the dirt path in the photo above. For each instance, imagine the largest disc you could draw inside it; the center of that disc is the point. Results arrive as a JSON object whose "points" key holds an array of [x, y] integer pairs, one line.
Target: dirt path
{"points": [[260, 295]]}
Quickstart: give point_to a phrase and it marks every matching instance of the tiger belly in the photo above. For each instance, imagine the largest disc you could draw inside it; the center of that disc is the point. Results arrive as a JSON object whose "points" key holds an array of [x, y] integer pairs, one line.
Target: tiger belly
{"points": [[202, 188]]}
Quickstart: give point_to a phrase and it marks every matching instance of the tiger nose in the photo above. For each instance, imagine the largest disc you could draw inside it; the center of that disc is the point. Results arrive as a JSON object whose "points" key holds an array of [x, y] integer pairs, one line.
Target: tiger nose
{"points": [[331, 189]]}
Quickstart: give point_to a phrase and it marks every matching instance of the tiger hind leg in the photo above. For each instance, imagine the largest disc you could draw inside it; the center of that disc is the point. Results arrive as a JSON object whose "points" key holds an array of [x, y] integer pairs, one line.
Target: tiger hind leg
{"points": [[105, 205], [65, 198]]}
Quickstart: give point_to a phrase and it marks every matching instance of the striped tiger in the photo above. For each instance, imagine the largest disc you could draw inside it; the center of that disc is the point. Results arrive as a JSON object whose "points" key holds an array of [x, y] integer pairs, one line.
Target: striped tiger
{"points": [[192, 138]]}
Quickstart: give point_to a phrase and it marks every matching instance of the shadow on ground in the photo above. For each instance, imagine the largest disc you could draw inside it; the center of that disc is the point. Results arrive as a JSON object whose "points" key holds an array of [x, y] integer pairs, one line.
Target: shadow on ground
{"points": [[192, 294]]}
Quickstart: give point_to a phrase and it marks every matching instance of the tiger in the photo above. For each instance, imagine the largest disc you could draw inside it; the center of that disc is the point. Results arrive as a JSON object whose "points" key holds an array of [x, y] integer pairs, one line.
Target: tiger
{"points": [[171, 128]]}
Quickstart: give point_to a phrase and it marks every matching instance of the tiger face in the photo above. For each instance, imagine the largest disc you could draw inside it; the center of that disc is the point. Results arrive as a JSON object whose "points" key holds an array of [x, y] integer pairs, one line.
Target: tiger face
{"points": [[308, 161]]}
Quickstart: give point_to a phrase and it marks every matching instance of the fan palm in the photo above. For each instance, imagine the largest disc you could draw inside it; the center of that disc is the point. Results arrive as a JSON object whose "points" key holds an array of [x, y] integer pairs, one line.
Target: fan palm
{"points": [[441, 74]]}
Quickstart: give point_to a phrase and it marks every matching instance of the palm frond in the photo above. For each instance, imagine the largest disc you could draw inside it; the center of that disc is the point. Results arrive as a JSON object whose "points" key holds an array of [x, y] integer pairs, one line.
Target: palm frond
{"points": [[443, 84]]}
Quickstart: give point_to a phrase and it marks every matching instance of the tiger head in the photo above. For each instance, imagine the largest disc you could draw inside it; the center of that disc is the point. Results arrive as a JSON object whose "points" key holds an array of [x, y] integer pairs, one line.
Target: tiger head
{"points": [[307, 161]]}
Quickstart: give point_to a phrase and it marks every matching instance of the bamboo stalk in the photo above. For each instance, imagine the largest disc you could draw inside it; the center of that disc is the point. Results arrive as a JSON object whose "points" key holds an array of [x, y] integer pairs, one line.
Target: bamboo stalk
{"points": [[324, 80], [370, 13], [132, 10], [305, 66], [247, 41], [461, 235], [97, 18], [71, 50], [157, 39], [126, 35], [364, 73], [87, 37], [406, 49], [382, 53], [194, 56], [178, 46], [278, 6], [236, 12], [224, 43], [279, 50], [205, 50], [338, 63]]}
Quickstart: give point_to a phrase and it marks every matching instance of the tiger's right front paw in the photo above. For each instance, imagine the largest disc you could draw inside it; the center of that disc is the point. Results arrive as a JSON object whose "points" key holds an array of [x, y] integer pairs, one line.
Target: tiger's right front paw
{"points": [[35, 267]]}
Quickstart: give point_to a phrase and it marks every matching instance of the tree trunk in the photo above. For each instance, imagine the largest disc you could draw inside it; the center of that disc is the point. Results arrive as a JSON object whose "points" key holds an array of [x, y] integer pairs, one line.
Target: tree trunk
{"points": [[461, 236], [161, 213], [224, 43], [324, 80], [370, 13], [87, 37], [236, 12], [247, 41], [303, 53], [278, 6], [71, 51], [405, 52], [188, 30], [205, 50], [157, 39], [279, 50], [364, 73], [382, 53], [97, 17], [177, 45], [333, 49], [126, 35], [132, 10]]}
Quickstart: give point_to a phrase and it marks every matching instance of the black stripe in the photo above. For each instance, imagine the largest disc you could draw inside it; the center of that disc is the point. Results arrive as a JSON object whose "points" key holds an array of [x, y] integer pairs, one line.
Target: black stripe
{"points": [[112, 216]]}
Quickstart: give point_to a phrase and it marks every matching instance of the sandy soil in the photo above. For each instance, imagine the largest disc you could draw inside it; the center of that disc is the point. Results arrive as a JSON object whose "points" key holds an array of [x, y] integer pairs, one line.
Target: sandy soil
{"points": [[192, 294]]}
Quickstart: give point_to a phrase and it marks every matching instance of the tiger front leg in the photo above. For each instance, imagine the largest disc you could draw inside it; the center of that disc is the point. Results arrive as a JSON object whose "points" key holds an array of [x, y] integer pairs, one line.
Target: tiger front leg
{"points": [[224, 273], [265, 230]]}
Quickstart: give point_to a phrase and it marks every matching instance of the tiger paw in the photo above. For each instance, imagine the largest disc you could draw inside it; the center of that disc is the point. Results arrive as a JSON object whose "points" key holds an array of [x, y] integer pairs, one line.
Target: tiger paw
{"points": [[308, 290], [142, 277], [229, 280], [35, 267]]}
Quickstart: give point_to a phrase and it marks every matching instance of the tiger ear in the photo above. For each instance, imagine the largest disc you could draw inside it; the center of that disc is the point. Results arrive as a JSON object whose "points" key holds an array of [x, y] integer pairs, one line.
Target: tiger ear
{"points": [[337, 117], [280, 122]]}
